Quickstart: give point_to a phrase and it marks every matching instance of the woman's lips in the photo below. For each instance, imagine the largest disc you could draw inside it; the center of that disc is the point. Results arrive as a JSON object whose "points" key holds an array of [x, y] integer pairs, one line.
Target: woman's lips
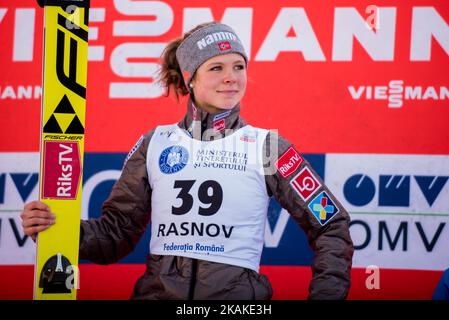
{"points": [[229, 93]]}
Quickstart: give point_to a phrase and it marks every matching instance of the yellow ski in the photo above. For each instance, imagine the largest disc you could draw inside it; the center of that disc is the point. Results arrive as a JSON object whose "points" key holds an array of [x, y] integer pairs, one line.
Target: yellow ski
{"points": [[56, 274]]}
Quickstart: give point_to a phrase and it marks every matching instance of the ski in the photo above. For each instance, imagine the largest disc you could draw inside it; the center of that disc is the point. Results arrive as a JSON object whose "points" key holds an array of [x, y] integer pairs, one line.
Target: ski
{"points": [[63, 109]]}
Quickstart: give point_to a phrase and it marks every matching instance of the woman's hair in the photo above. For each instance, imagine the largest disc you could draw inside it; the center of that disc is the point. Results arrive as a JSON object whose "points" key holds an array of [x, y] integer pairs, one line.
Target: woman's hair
{"points": [[170, 74]]}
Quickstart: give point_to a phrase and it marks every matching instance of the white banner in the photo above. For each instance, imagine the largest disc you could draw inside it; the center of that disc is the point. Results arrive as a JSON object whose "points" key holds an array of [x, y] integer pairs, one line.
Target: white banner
{"points": [[398, 205]]}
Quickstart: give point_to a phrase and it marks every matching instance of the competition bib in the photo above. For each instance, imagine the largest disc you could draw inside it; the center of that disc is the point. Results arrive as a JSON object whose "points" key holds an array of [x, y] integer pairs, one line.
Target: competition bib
{"points": [[209, 198]]}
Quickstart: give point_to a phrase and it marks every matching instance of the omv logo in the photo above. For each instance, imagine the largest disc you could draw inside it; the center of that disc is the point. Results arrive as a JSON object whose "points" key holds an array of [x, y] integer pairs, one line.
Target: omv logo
{"points": [[391, 190], [18, 184], [390, 183]]}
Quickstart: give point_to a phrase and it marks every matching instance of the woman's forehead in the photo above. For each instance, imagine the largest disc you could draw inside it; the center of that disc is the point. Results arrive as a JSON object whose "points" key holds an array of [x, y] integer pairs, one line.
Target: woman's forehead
{"points": [[226, 58]]}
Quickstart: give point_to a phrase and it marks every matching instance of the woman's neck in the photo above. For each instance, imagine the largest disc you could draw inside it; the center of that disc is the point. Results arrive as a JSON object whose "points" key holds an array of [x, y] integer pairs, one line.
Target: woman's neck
{"points": [[207, 107]]}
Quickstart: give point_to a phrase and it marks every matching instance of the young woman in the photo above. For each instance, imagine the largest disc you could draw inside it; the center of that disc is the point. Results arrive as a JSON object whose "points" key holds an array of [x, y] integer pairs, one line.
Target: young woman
{"points": [[205, 184]]}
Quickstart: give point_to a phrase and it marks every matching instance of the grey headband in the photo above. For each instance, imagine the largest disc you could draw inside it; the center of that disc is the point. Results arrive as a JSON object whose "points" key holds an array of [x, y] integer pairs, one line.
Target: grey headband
{"points": [[205, 43]]}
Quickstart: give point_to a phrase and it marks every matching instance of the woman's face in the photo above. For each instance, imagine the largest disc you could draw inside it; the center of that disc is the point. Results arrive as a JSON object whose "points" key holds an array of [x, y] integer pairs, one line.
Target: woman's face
{"points": [[220, 82]]}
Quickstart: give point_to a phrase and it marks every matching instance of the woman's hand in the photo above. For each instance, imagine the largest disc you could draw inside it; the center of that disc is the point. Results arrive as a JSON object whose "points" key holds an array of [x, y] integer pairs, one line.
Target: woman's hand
{"points": [[36, 217]]}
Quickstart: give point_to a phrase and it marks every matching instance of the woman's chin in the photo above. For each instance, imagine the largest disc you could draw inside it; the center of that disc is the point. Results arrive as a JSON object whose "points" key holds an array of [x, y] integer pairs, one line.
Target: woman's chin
{"points": [[227, 105]]}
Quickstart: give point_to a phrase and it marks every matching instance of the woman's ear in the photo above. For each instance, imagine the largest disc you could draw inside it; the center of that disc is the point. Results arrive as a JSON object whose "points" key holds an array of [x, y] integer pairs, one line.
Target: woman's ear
{"points": [[192, 83]]}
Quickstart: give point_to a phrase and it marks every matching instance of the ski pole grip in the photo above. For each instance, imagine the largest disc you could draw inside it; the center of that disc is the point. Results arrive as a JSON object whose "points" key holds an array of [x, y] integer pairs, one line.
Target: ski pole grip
{"points": [[64, 3]]}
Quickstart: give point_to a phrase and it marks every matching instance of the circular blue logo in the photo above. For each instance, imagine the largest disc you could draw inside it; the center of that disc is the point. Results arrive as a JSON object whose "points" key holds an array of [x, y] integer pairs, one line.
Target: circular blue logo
{"points": [[173, 159]]}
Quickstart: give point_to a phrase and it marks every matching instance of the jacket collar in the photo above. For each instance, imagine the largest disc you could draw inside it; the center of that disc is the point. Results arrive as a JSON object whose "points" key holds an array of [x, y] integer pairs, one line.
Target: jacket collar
{"points": [[202, 125]]}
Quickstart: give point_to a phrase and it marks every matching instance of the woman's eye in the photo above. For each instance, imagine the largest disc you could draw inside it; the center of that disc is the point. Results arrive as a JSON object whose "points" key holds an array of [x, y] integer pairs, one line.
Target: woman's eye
{"points": [[217, 68], [240, 67]]}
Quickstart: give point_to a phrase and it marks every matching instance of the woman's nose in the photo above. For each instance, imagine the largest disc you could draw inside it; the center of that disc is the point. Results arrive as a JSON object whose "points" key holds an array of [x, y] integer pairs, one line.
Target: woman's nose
{"points": [[230, 76]]}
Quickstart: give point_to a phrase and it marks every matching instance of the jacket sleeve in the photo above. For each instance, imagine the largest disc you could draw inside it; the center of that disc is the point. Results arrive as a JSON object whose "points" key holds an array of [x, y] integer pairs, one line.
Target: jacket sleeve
{"points": [[125, 214], [295, 185]]}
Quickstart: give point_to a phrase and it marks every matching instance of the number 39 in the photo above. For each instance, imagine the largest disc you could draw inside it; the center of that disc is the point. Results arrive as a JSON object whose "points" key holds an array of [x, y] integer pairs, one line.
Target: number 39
{"points": [[215, 199]]}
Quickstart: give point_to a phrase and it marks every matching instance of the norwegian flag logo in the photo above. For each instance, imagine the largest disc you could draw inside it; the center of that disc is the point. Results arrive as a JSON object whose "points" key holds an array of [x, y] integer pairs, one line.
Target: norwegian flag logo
{"points": [[223, 46]]}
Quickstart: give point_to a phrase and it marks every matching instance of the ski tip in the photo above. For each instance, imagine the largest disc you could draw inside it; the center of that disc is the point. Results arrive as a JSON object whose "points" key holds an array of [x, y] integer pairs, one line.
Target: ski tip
{"points": [[64, 3]]}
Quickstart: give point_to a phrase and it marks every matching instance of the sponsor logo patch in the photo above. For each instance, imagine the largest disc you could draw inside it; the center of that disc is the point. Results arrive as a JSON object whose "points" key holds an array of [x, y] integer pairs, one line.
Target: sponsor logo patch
{"points": [[305, 183], [167, 133], [288, 162], [219, 125], [219, 37], [173, 159], [62, 170], [323, 208]]}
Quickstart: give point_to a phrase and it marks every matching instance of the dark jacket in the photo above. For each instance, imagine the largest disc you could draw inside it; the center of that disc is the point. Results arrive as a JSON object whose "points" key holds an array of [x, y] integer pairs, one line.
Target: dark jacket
{"points": [[127, 213]]}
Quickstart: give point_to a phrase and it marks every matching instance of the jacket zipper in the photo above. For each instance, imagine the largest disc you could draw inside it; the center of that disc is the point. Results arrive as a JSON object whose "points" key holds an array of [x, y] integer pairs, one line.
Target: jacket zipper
{"points": [[193, 279]]}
